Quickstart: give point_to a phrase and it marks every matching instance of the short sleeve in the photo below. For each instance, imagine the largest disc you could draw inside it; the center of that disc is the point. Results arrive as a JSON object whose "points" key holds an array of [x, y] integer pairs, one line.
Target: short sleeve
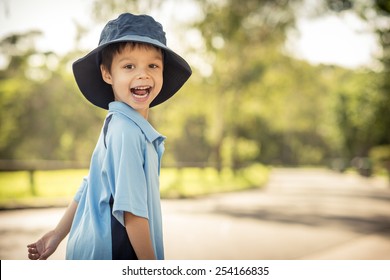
{"points": [[125, 167], [81, 189]]}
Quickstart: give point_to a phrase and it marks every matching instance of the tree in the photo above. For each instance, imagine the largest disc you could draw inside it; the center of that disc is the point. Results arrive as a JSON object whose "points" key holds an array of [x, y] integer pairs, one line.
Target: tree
{"points": [[243, 40], [42, 116], [374, 131], [103, 11], [377, 14]]}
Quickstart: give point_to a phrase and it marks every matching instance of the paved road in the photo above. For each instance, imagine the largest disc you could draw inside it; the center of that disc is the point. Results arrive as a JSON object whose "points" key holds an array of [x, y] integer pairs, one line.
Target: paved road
{"points": [[301, 214]]}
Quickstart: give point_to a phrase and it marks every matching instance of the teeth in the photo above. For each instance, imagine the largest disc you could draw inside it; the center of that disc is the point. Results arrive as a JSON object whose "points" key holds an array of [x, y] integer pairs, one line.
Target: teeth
{"points": [[142, 88], [141, 91]]}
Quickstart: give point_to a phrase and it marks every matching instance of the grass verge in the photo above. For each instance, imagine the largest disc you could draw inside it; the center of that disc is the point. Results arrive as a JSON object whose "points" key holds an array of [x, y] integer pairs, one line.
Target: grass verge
{"points": [[58, 187]]}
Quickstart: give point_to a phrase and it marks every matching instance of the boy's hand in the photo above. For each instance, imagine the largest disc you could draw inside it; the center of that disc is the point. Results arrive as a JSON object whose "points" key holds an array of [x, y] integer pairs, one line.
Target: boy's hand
{"points": [[44, 247]]}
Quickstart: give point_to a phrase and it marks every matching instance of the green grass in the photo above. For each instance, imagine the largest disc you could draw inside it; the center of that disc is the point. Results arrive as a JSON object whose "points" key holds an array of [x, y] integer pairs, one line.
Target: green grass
{"points": [[50, 186], [190, 182], [62, 183]]}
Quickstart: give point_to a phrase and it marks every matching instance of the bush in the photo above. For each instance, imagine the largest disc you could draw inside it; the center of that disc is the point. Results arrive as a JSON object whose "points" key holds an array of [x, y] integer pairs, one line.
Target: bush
{"points": [[380, 156]]}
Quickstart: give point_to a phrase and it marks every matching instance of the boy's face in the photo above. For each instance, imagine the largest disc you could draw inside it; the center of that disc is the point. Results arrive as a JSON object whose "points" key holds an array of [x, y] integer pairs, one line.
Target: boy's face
{"points": [[136, 76]]}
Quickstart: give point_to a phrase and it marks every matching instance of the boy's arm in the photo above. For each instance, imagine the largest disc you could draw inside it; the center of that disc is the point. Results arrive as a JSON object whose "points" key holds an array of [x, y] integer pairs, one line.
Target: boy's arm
{"points": [[138, 231], [46, 246], [66, 221]]}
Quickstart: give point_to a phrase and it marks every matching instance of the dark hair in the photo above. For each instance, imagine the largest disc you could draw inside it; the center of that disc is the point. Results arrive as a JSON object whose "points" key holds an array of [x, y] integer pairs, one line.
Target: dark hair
{"points": [[107, 54]]}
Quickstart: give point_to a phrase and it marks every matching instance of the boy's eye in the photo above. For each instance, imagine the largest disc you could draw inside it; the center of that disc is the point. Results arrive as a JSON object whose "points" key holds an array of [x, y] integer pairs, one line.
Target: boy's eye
{"points": [[153, 66], [129, 66]]}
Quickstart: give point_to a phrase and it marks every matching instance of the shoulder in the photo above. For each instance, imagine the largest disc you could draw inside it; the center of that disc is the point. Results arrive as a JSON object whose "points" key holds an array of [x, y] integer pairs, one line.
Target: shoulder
{"points": [[122, 129]]}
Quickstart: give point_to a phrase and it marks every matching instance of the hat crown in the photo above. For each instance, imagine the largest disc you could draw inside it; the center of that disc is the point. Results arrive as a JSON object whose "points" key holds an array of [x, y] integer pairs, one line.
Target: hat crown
{"points": [[128, 24]]}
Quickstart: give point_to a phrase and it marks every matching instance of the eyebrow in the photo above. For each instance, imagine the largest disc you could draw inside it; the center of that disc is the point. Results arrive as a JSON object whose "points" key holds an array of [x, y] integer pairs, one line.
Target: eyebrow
{"points": [[156, 57]]}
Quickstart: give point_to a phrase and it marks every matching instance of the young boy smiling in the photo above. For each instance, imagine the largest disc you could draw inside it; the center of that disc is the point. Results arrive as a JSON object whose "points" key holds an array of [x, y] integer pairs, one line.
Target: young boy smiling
{"points": [[116, 213], [135, 74]]}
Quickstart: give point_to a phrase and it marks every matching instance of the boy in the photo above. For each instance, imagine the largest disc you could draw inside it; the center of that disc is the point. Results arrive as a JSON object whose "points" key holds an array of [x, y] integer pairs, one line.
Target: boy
{"points": [[116, 212]]}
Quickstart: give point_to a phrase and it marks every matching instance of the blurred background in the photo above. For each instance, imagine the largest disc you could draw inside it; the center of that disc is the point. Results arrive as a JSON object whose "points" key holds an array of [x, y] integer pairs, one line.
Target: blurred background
{"points": [[276, 84]]}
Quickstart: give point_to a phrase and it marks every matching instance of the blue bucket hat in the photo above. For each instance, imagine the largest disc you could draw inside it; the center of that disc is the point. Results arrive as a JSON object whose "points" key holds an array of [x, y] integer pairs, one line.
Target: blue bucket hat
{"points": [[129, 28]]}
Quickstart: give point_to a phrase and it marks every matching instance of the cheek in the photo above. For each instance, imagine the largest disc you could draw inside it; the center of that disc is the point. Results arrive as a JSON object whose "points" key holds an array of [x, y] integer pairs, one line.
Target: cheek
{"points": [[120, 80], [159, 87], [160, 80]]}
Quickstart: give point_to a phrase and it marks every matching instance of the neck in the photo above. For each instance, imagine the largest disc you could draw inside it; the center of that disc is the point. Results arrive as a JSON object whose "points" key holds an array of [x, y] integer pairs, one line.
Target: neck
{"points": [[144, 113]]}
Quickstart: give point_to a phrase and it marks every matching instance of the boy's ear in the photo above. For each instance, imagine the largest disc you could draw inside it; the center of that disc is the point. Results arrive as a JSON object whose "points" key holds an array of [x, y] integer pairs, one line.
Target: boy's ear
{"points": [[105, 74]]}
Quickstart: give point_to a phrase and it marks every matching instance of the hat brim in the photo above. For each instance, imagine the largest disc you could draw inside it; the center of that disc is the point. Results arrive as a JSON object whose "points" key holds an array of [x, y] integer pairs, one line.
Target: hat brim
{"points": [[88, 77]]}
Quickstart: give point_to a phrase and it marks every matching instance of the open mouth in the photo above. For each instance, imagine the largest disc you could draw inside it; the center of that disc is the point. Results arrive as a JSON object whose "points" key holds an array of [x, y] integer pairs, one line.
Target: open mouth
{"points": [[141, 91]]}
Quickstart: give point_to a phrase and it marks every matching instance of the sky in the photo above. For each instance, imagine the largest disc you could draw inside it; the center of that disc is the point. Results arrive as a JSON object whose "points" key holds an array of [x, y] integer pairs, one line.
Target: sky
{"points": [[342, 40], [330, 39], [55, 18]]}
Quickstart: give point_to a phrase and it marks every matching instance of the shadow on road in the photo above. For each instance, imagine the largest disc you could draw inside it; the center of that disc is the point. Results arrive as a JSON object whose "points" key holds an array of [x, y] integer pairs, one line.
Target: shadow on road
{"points": [[374, 223]]}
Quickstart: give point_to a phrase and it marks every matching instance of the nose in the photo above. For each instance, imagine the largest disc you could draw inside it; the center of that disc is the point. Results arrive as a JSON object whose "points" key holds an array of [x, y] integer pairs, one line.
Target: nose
{"points": [[143, 73]]}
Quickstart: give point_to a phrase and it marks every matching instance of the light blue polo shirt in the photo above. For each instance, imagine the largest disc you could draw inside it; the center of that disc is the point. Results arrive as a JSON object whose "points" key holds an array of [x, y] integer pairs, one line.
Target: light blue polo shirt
{"points": [[125, 166]]}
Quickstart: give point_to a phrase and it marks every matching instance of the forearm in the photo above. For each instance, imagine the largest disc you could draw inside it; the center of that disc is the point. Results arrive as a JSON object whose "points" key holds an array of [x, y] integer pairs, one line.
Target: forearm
{"points": [[63, 227], [138, 231], [47, 244]]}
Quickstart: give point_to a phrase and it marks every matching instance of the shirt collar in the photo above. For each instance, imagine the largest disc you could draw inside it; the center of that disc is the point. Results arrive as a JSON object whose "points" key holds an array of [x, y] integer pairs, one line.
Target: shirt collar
{"points": [[124, 109]]}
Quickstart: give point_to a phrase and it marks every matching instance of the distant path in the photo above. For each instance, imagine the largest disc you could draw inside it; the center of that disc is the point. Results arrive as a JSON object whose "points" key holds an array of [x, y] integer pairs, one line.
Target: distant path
{"points": [[301, 214]]}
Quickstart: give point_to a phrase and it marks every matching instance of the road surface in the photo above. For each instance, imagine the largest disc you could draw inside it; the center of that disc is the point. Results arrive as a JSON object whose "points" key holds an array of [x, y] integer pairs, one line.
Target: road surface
{"points": [[301, 214]]}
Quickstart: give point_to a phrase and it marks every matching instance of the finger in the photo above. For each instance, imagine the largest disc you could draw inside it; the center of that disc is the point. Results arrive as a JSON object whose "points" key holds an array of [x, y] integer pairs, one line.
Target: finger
{"points": [[32, 250], [33, 256]]}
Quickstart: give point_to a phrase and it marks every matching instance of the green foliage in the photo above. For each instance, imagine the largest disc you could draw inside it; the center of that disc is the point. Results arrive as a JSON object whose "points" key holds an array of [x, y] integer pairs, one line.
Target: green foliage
{"points": [[42, 114], [355, 112], [103, 11], [295, 113], [377, 15], [256, 105], [243, 48], [380, 156]]}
